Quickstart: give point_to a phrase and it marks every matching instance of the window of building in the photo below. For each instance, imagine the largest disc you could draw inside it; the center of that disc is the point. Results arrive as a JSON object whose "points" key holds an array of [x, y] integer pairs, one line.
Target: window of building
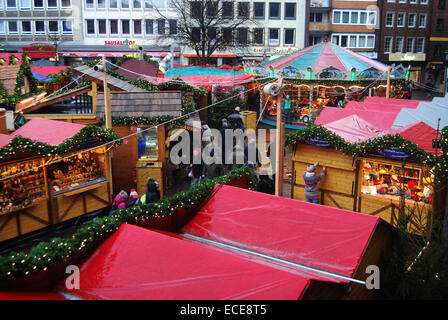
{"points": [[423, 1], [259, 36], [442, 4], [412, 20], [38, 5], [101, 4], [290, 11], [25, 5], [173, 27], [399, 44], [148, 4], [52, 4], [67, 27], [242, 35], [137, 4], [211, 33], [413, 1], [420, 45], [274, 11], [39, 27], [26, 27], [195, 9], [53, 27], [316, 17], [437, 50], [354, 17], [259, 10], [243, 9], [137, 26], [390, 19], [361, 41], [113, 24], [124, 4], [422, 20], [13, 27], [1, 8], [274, 37], [102, 26], [160, 4], [149, 26], [289, 37], [390, 1], [410, 44], [402, 1], [2, 27], [125, 27], [388, 41], [171, 4], [113, 4], [66, 4], [440, 25], [227, 9], [352, 42], [227, 34], [196, 34], [161, 26], [11, 5], [401, 17], [90, 4], [211, 8]]}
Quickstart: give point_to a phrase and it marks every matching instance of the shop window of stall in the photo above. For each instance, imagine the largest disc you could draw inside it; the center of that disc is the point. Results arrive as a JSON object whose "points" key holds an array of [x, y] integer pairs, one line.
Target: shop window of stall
{"points": [[391, 180], [147, 143]]}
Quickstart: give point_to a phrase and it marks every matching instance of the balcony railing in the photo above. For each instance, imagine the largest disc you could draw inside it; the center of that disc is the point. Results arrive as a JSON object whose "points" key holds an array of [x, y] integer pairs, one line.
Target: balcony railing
{"points": [[319, 26]]}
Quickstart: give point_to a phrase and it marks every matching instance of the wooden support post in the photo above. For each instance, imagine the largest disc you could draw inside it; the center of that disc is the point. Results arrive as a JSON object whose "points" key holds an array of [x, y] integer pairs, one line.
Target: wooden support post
{"points": [[279, 147], [388, 83], [108, 116]]}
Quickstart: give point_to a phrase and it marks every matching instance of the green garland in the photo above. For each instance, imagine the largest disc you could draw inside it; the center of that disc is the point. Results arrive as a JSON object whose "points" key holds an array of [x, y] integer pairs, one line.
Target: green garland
{"points": [[45, 255], [313, 131], [91, 131]]}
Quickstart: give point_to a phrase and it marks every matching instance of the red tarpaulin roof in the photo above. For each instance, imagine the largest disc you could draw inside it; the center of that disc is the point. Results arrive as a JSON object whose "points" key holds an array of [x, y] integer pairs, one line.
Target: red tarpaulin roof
{"points": [[52, 132], [408, 103], [353, 129], [31, 295], [45, 71], [321, 237], [137, 263], [420, 133], [381, 120], [4, 139], [374, 106]]}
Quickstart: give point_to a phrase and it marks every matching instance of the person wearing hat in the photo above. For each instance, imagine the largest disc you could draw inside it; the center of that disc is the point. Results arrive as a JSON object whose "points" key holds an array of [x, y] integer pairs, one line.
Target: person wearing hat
{"points": [[311, 180], [133, 199], [152, 193]]}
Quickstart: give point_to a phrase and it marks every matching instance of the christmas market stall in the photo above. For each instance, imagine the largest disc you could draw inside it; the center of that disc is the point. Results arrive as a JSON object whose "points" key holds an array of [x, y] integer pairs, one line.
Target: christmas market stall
{"points": [[325, 75], [52, 171], [368, 169]]}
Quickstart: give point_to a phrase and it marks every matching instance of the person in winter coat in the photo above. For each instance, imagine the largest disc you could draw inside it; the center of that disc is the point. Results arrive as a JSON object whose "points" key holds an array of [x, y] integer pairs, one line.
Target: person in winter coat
{"points": [[119, 201], [133, 199], [152, 193], [311, 180]]}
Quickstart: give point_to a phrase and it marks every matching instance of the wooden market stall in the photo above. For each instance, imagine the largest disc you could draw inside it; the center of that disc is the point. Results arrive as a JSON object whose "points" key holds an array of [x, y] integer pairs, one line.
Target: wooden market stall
{"points": [[51, 172], [373, 183]]}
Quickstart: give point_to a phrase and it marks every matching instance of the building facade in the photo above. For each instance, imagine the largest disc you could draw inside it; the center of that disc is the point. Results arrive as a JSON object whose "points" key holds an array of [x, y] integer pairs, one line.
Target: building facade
{"points": [[438, 47], [404, 35]]}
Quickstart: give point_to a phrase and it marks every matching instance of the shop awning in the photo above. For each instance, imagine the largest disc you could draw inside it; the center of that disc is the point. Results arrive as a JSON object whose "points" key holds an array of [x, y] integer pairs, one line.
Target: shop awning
{"points": [[420, 133], [321, 237], [52, 132], [137, 263], [391, 101], [111, 54]]}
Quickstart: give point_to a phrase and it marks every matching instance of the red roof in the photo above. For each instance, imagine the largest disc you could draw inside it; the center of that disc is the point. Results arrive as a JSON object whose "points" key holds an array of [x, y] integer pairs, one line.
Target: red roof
{"points": [[322, 237], [420, 133], [5, 57], [137, 263], [45, 71], [4, 139], [51, 132], [379, 106], [353, 129], [409, 103]]}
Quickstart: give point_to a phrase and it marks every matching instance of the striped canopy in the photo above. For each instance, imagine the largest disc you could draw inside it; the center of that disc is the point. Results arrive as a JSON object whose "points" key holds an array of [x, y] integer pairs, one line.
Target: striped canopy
{"points": [[322, 56]]}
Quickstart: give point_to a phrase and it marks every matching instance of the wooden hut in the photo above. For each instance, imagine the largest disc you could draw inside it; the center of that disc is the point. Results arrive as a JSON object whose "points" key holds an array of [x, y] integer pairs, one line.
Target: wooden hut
{"points": [[51, 172]]}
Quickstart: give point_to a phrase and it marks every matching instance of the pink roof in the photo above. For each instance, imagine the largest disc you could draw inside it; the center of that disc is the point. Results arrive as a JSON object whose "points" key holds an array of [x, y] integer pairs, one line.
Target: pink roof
{"points": [[45, 71], [374, 106], [379, 119], [4, 139], [353, 129], [409, 103], [47, 131], [5, 56]]}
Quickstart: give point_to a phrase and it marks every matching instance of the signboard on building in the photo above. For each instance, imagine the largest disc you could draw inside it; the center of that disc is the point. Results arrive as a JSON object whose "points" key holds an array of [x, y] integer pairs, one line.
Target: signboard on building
{"points": [[40, 50], [407, 56]]}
